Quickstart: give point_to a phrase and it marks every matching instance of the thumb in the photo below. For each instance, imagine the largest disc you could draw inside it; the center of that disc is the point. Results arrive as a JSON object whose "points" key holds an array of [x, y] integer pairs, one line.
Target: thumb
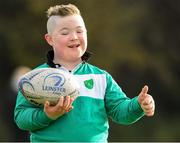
{"points": [[143, 94], [144, 90]]}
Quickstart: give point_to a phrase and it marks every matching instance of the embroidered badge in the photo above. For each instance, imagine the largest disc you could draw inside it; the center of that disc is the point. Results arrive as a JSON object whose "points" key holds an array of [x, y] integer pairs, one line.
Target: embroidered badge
{"points": [[89, 83]]}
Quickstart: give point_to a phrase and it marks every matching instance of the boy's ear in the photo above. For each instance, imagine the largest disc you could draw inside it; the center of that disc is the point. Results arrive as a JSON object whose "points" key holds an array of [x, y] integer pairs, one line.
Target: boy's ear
{"points": [[48, 39]]}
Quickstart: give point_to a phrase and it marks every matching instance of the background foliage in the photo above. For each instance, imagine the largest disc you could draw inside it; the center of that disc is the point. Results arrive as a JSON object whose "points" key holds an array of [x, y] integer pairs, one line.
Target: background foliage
{"points": [[136, 41]]}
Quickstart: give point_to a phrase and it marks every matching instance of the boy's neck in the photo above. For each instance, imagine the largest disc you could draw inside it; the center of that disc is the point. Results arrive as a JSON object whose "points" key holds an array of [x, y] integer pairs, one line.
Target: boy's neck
{"points": [[68, 65]]}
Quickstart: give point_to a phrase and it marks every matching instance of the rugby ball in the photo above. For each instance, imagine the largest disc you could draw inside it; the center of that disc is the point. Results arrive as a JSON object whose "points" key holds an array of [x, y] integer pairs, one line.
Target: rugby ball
{"points": [[47, 84]]}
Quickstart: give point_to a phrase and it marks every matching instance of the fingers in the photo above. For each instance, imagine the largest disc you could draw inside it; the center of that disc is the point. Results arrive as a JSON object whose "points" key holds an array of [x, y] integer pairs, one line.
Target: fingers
{"points": [[64, 105], [147, 100], [60, 103], [150, 112], [68, 103], [46, 105], [148, 106], [71, 107]]}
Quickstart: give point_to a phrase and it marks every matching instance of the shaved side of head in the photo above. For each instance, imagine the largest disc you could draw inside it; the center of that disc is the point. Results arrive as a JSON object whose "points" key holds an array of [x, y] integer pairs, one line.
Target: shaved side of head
{"points": [[51, 23]]}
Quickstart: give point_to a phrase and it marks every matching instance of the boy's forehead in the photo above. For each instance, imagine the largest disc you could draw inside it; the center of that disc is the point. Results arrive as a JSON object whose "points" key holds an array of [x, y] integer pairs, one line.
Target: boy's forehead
{"points": [[75, 20], [55, 23]]}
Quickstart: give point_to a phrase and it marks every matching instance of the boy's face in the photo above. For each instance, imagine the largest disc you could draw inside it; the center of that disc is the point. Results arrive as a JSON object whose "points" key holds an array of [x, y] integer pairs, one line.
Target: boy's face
{"points": [[68, 38]]}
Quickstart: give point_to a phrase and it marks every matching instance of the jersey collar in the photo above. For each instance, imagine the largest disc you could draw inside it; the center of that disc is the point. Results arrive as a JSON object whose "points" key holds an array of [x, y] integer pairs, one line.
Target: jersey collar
{"points": [[50, 57]]}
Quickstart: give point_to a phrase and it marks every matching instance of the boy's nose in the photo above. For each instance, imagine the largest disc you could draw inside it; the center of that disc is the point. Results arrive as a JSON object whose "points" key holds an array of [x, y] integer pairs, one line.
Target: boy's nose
{"points": [[74, 36]]}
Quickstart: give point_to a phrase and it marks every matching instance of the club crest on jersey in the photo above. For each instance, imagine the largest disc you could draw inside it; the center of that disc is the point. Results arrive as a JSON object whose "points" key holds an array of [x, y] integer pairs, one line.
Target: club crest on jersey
{"points": [[54, 83], [89, 83]]}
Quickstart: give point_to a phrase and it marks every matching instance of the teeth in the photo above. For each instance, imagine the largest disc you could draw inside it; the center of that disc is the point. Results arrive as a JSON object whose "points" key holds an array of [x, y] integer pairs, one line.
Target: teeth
{"points": [[75, 45]]}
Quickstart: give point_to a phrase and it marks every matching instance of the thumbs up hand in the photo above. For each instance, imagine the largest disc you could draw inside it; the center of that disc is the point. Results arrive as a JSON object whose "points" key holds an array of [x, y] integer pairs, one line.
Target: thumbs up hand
{"points": [[146, 102]]}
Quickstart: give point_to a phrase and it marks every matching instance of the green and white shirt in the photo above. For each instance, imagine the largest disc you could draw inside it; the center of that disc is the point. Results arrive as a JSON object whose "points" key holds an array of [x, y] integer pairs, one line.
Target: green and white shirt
{"points": [[100, 98]]}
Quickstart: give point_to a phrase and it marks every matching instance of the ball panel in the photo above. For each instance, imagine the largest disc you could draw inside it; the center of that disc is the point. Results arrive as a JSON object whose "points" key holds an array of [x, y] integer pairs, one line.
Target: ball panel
{"points": [[47, 84]]}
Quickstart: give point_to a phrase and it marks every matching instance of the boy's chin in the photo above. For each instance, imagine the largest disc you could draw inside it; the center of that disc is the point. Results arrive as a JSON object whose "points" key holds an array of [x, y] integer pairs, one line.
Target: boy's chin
{"points": [[75, 58]]}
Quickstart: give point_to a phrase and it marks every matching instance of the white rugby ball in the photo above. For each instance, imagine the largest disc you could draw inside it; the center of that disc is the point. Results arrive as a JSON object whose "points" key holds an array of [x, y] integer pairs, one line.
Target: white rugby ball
{"points": [[47, 84]]}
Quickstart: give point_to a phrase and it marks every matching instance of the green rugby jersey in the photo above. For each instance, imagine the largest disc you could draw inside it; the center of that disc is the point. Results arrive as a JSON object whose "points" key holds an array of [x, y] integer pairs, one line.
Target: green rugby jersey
{"points": [[100, 98]]}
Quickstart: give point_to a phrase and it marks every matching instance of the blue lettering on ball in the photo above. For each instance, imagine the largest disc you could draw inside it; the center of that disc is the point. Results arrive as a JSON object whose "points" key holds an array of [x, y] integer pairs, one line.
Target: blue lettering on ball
{"points": [[53, 83], [54, 89]]}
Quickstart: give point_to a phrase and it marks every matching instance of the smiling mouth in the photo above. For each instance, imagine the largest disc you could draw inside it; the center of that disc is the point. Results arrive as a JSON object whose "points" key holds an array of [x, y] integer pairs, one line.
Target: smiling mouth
{"points": [[74, 46]]}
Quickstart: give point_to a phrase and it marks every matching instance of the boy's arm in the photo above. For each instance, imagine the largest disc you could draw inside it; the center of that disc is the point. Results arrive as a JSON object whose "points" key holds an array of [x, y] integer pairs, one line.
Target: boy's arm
{"points": [[119, 107], [29, 117]]}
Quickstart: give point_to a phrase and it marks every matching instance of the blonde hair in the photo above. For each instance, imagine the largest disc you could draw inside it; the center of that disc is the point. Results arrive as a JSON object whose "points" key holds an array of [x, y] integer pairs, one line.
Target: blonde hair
{"points": [[63, 10]]}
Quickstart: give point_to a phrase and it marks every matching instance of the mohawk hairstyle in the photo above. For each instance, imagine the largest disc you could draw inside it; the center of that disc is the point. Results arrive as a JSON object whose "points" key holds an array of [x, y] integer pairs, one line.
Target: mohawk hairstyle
{"points": [[63, 10]]}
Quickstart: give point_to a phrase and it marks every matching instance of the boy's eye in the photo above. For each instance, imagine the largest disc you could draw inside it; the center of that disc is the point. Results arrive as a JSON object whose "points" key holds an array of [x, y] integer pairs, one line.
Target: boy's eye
{"points": [[64, 33], [79, 31]]}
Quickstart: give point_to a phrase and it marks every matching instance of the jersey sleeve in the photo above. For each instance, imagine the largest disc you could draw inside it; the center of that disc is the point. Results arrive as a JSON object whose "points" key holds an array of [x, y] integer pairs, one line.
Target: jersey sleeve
{"points": [[29, 117], [119, 107]]}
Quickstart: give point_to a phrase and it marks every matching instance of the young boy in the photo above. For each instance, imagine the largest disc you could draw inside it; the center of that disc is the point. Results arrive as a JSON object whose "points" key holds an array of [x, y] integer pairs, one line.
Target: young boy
{"points": [[84, 119]]}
